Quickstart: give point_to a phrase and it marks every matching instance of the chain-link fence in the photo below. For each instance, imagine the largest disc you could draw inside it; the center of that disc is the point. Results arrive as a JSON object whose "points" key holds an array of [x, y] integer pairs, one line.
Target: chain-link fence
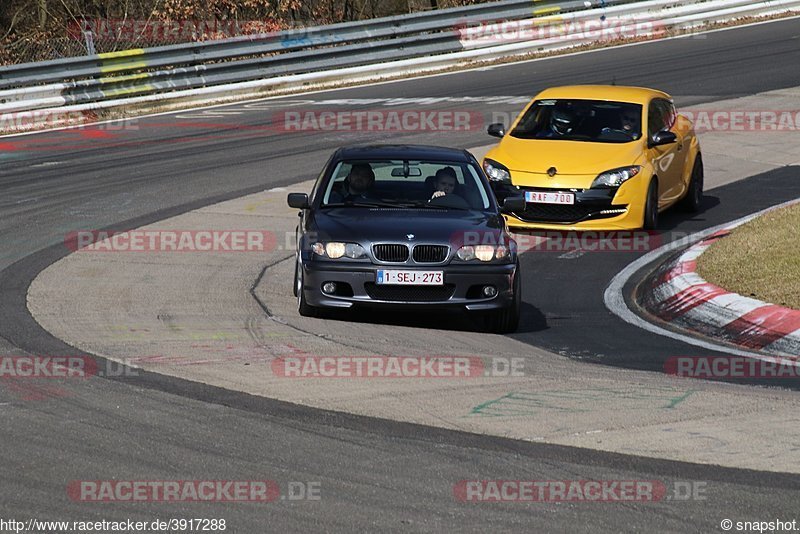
{"points": [[29, 50], [88, 35], [98, 36]]}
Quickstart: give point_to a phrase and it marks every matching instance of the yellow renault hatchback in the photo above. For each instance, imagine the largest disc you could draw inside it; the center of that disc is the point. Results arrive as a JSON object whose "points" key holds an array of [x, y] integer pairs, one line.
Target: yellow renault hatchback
{"points": [[596, 157]]}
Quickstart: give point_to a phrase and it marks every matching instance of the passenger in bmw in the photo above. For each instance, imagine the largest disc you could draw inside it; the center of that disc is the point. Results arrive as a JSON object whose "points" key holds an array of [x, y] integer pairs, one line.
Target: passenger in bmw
{"points": [[444, 182]]}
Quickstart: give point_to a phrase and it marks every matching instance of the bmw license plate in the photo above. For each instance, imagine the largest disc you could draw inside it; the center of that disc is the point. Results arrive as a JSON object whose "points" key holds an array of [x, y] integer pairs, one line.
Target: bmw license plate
{"points": [[549, 197], [411, 278]]}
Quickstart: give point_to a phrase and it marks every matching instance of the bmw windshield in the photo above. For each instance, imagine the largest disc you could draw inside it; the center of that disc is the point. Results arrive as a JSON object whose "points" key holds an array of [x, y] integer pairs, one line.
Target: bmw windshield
{"points": [[406, 183]]}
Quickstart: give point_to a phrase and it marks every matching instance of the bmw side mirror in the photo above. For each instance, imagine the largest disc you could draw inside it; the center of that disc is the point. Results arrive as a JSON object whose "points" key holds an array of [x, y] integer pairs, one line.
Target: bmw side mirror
{"points": [[497, 129], [664, 137], [298, 200], [512, 204]]}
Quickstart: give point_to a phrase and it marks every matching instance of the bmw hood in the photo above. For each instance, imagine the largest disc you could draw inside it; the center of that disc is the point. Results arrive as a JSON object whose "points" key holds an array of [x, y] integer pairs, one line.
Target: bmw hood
{"points": [[401, 225]]}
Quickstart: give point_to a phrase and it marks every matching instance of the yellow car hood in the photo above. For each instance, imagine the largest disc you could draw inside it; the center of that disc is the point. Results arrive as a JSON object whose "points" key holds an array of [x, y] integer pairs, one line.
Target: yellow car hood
{"points": [[527, 158]]}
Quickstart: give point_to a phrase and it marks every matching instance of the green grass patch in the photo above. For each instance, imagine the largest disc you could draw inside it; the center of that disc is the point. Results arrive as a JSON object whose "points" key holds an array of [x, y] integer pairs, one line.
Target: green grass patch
{"points": [[760, 259]]}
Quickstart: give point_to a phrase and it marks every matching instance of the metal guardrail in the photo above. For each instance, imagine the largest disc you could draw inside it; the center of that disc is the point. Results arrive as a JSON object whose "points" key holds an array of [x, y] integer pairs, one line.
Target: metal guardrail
{"points": [[285, 41], [344, 44], [435, 37]]}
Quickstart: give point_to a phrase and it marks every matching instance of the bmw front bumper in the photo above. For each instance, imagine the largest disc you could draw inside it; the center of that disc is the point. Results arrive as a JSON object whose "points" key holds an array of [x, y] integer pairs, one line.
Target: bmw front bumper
{"points": [[356, 286]]}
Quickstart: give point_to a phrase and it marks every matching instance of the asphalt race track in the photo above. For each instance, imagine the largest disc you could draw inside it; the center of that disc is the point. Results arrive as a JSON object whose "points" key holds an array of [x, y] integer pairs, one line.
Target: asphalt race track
{"points": [[375, 474]]}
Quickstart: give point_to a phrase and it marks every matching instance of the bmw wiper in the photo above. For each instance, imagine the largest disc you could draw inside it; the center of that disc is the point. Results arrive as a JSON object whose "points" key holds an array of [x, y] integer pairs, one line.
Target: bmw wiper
{"points": [[438, 206], [362, 204]]}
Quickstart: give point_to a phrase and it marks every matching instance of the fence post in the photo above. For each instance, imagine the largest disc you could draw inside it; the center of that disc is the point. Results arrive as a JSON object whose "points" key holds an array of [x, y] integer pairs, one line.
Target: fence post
{"points": [[89, 37]]}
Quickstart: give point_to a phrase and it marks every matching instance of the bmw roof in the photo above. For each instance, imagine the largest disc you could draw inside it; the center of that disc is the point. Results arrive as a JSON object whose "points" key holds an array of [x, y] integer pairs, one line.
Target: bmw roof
{"points": [[412, 152]]}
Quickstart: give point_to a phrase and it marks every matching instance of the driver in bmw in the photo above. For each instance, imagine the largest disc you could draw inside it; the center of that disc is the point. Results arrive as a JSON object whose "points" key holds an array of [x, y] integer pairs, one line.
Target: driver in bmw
{"points": [[358, 184]]}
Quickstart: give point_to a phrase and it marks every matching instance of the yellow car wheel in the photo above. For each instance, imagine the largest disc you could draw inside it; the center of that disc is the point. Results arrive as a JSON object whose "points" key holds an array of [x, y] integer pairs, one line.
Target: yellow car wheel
{"points": [[694, 194]]}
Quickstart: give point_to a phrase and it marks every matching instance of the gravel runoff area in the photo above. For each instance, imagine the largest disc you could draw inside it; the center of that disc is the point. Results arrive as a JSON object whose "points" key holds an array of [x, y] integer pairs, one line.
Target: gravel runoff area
{"points": [[760, 259]]}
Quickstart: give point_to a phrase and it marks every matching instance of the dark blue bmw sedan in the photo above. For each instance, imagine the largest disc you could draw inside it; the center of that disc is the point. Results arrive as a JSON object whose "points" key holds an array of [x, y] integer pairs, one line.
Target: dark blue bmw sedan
{"points": [[406, 227]]}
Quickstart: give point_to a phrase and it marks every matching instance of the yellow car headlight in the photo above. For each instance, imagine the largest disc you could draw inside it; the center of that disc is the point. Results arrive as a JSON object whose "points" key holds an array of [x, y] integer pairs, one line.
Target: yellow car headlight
{"points": [[616, 177], [496, 171]]}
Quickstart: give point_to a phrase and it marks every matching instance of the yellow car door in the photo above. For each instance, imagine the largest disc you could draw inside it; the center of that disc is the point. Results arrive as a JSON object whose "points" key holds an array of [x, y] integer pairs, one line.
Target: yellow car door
{"points": [[667, 159]]}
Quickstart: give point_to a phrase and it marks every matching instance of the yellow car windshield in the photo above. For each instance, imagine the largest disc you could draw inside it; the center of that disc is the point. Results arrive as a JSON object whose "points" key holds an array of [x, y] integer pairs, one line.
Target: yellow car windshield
{"points": [[581, 120]]}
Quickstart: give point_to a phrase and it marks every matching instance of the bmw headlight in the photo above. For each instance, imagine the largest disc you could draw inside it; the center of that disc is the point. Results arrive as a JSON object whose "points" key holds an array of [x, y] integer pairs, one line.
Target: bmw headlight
{"points": [[484, 253], [496, 172], [616, 177], [335, 250], [466, 253], [354, 251]]}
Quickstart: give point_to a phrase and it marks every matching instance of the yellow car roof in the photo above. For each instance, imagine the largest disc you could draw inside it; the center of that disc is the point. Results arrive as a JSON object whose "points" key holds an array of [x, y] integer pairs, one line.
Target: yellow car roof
{"points": [[616, 93]]}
